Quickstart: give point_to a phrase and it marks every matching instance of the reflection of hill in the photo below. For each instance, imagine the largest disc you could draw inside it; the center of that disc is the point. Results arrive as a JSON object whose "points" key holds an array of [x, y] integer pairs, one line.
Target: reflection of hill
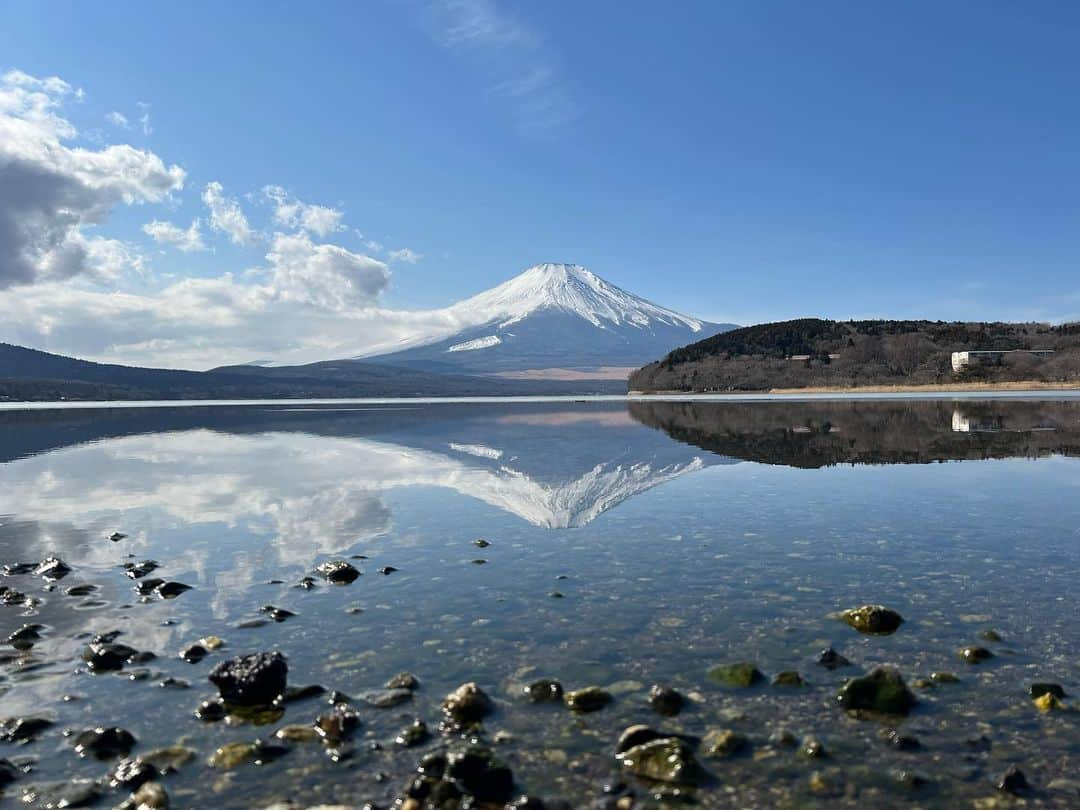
{"points": [[823, 433]]}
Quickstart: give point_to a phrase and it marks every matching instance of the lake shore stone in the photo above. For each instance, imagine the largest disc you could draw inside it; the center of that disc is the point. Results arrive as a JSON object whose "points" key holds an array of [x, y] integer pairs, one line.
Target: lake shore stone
{"points": [[975, 654], [739, 675], [589, 699], [667, 759], [883, 691], [666, 701], [104, 743], [544, 690], [874, 620], [723, 743], [339, 572], [467, 704], [251, 680], [831, 659]]}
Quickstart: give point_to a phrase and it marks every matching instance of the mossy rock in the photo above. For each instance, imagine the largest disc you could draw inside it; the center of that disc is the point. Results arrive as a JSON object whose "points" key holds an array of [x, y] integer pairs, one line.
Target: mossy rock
{"points": [[739, 675], [874, 620], [668, 760], [589, 699], [724, 743], [788, 678], [883, 691], [231, 755], [975, 655]]}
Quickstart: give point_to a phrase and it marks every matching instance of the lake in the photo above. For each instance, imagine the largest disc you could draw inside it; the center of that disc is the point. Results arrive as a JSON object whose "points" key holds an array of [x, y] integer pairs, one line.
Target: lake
{"points": [[613, 544]]}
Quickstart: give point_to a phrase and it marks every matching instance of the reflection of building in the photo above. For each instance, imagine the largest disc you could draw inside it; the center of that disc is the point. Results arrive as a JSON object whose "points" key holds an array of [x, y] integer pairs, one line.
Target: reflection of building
{"points": [[961, 360], [962, 423]]}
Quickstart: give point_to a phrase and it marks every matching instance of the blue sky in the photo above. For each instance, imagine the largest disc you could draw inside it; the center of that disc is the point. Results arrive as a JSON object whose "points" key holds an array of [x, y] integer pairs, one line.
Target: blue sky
{"points": [[736, 161]]}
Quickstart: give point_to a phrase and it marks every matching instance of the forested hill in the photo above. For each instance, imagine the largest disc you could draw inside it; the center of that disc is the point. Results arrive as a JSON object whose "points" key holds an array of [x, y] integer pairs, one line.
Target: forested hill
{"points": [[814, 352]]}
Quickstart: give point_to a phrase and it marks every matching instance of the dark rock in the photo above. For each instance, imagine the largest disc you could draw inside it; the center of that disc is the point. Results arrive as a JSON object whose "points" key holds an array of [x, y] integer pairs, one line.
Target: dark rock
{"points": [[337, 724], [307, 583], [1037, 690], [140, 569], [467, 704], [739, 675], [668, 759], [211, 711], [295, 693], [875, 620], [913, 780], [544, 690], [251, 680], [251, 624], [975, 655], [413, 734], [131, 773], [883, 691], [1013, 781], [18, 569], [103, 654], [481, 543], [637, 735], [145, 587], [788, 678], [783, 738], [477, 773], [404, 680], [557, 595], [52, 569], [171, 590], [194, 654], [387, 569], [74, 793], [901, 742], [990, 635], [10, 596], [116, 537], [263, 753], [104, 743], [385, 698], [8, 773], [25, 636], [23, 729], [173, 683], [831, 659], [338, 572], [812, 748], [81, 590], [665, 700], [724, 743], [276, 613], [943, 677], [589, 699]]}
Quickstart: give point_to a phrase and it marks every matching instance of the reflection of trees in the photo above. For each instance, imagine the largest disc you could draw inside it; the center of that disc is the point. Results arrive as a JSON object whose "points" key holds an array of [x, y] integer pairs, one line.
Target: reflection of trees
{"points": [[818, 433]]}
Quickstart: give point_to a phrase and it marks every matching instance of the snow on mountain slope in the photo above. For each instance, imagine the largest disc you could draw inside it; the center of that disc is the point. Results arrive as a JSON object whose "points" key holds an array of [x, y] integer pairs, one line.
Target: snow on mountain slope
{"points": [[550, 316]]}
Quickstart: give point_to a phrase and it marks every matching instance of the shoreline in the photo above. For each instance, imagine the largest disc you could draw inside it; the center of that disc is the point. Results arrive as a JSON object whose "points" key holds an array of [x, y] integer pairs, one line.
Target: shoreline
{"points": [[937, 388]]}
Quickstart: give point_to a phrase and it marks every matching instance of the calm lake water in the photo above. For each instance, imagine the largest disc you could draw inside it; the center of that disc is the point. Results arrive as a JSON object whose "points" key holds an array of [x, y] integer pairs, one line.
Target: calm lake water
{"points": [[631, 544]]}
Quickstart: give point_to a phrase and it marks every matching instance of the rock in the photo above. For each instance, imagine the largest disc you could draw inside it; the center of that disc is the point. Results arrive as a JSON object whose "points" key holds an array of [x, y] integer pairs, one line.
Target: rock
{"points": [[169, 759], [875, 620], [8, 773], [476, 772], [467, 704], [18, 569], [589, 699], [668, 759], [298, 733], [306, 583], [337, 724], [25, 636], [637, 735], [413, 734], [74, 793], [665, 700], [104, 743], [990, 635], [479, 561], [812, 748], [557, 595], [544, 690], [739, 675], [387, 569], [212, 642], [944, 677], [1048, 702], [831, 659], [783, 738], [338, 572], [251, 680], [788, 677], [116, 537], [975, 655], [23, 729], [883, 691], [131, 773], [1037, 690], [140, 569], [194, 653], [231, 755], [481, 543], [724, 743], [912, 780], [1013, 781], [404, 680], [103, 654], [276, 613], [211, 711], [826, 784], [171, 590], [148, 586], [292, 694], [52, 569], [385, 698], [81, 590], [263, 753], [901, 742], [150, 796]]}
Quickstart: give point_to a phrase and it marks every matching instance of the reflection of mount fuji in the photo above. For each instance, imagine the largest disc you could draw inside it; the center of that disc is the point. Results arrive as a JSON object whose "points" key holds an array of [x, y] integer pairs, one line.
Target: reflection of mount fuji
{"points": [[822, 433], [552, 466]]}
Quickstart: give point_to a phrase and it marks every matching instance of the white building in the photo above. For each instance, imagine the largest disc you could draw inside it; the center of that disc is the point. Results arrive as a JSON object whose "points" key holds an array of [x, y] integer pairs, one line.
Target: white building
{"points": [[961, 360]]}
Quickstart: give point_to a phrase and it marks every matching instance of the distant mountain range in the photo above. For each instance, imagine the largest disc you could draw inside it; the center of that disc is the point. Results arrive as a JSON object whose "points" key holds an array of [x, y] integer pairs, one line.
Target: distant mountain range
{"points": [[554, 329]]}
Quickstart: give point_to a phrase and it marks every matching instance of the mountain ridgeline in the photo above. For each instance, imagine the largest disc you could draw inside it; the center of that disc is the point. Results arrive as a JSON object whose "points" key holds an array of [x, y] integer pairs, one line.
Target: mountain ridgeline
{"points": [[813, 352]]}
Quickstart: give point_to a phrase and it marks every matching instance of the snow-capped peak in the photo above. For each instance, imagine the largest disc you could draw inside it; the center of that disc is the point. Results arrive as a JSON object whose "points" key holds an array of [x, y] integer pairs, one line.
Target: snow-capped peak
{"points": [[570, 288]]}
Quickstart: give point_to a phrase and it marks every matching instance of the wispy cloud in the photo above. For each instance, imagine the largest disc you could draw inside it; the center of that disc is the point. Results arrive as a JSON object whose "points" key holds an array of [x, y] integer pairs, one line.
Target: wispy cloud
{"points": [[521, 65], [405, 255]]}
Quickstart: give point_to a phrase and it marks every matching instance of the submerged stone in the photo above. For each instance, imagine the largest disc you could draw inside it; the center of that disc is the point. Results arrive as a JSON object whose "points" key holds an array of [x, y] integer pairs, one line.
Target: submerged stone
{"points": [[788, 678], [544, 690], [23, 729], [831, 659], [413, 734], [1037, 690], [739, 675], [883, 691], [589, 699], [467, 704], [385, 698], [104, 743], [1013, 781], [338, 572], [668, 759], [52, 569], [231, 755], [875, 620], [1049, 702], [724, 743], [103, 654], [665, 700], [975, 655], [251, 680], [8, 773], [476, 772], [404, 680], [944, 677], [637, 735]]}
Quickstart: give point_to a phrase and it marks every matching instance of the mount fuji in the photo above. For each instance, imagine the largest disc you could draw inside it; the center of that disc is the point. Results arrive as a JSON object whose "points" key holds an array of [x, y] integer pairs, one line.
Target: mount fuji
{"points": [[550, 319]]}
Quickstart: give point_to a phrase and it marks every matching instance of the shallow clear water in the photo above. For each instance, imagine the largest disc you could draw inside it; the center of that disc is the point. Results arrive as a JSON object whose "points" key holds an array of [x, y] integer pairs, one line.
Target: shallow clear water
{"points": [[680, 535]]}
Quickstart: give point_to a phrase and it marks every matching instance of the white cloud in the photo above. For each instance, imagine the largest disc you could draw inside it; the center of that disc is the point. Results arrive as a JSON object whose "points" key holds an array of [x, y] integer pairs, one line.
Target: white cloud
{"points": [[51, 191], [226, 215], [405, 255], [373, 246], [118, 120], [325, 276], [480, 22], [166, 233], [292, 213], [144, 118]]}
